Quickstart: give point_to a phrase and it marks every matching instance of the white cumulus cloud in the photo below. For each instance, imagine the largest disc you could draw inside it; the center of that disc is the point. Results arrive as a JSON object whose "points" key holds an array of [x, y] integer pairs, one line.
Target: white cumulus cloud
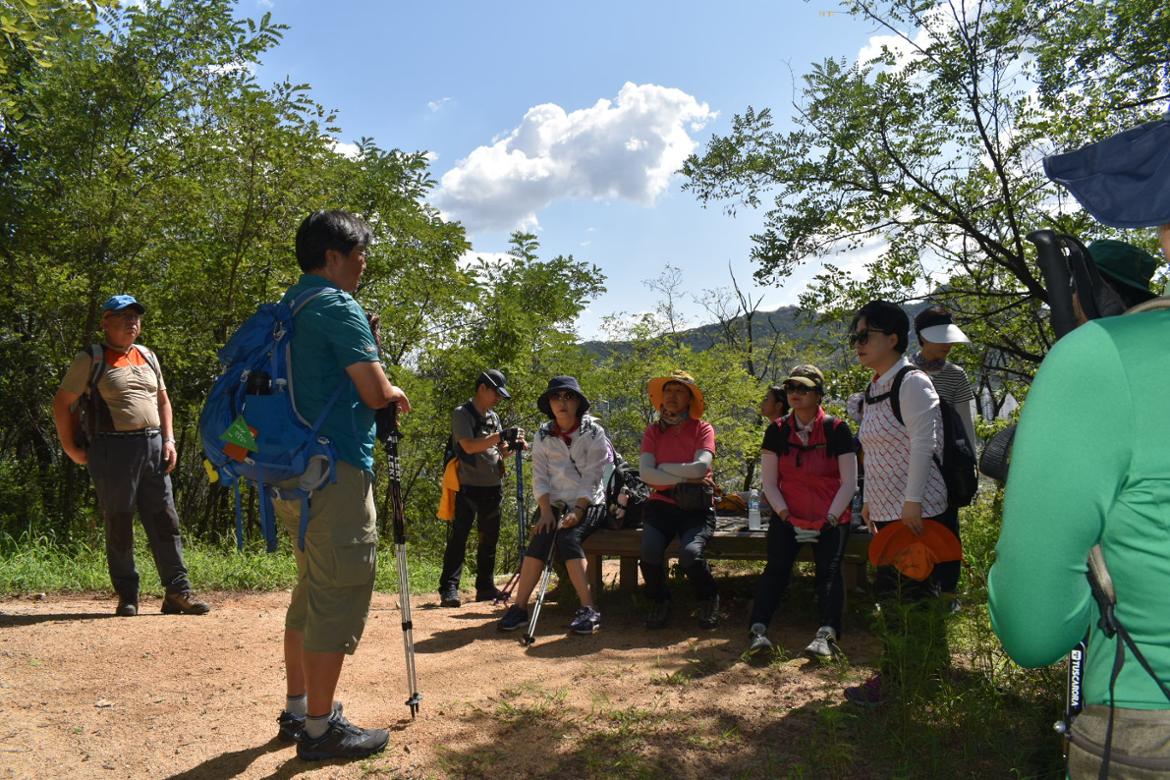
{"points": [[345, 149], [938, 22], [627, 148]]}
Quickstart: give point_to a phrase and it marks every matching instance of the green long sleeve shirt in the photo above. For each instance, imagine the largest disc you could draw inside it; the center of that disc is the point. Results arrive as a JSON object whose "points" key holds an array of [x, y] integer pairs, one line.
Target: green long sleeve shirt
{"points": [[1091, 464]]}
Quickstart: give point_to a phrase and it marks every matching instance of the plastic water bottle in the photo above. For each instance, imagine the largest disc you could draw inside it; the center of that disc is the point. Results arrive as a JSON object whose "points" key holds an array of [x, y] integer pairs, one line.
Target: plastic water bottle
{"points": [[754, 511]]}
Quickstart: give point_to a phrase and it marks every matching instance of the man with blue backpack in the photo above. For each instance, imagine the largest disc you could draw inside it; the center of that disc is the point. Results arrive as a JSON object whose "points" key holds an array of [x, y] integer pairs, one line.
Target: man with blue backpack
{"points": [[339, 383]]}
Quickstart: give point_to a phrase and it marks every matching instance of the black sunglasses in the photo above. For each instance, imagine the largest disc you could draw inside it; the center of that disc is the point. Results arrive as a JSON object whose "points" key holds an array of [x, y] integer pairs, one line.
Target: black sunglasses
{"points": [[862, 336], [563, 395], [793, 387]]}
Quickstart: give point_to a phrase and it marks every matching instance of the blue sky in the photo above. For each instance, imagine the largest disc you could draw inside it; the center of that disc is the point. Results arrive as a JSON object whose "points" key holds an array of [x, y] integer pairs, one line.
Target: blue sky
{"points": [[506, 95]]}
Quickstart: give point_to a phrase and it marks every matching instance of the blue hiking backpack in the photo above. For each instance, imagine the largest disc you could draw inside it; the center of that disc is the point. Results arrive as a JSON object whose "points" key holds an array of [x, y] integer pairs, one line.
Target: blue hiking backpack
{"points": [[250, 426]]}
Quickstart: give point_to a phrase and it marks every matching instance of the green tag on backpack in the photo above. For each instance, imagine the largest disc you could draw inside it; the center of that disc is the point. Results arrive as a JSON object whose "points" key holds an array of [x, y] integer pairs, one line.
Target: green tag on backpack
{"points": [[240, 435]]}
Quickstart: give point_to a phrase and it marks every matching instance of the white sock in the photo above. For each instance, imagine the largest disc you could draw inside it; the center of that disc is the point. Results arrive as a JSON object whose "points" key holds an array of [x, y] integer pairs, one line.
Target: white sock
{"points": [[315, 726], [297, 705]]}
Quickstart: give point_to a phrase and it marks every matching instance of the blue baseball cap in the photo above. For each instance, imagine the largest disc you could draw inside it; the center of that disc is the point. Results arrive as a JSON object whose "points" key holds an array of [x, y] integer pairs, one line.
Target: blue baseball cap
{"points": [[1120, 180], [119, 302]]}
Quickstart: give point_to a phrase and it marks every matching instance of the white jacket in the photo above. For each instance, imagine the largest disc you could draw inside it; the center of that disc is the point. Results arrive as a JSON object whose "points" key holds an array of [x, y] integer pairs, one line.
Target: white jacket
{"points": [[568, 473]]}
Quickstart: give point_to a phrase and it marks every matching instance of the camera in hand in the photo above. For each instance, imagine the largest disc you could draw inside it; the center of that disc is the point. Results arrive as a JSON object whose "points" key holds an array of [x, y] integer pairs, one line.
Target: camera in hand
{"points": [[510, 438]]}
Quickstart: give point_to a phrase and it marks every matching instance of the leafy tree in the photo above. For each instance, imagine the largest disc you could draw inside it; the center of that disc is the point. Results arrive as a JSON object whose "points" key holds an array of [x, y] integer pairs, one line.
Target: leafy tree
{"points": [[927, 156]]}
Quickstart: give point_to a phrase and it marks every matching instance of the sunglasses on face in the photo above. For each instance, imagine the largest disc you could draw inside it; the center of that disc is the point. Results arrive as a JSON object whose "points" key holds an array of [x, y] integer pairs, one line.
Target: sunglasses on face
{"points": [[862, 336], [564, 395], [793, 387]]}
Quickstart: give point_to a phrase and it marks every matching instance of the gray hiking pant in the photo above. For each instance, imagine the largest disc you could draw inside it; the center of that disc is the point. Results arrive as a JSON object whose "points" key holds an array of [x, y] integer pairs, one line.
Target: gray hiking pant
{"points": [[129, 474]]}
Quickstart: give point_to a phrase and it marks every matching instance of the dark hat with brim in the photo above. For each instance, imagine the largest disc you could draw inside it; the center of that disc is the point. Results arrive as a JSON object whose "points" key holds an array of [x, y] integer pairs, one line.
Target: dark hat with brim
{"points": [[556, 385], [120, 302], [1120, 180], [494, 379], [1124, 264]]}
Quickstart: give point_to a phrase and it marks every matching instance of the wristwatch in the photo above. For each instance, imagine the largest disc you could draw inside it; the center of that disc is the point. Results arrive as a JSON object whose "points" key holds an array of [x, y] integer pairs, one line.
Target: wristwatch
{"points": [[169, 441], [831, 519]]}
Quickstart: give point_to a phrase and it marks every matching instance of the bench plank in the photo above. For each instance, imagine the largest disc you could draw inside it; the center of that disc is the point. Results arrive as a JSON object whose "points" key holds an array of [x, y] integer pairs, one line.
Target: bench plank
{"points": [[732, 541]]}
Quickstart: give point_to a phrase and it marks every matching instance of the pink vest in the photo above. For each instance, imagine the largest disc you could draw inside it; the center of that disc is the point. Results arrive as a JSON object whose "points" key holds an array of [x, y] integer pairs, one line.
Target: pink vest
{"points": [[809, 476]]}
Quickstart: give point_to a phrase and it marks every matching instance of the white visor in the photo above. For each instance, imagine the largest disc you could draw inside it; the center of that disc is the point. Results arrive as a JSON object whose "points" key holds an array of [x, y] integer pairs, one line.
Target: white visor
{"points": [[944, 334]]}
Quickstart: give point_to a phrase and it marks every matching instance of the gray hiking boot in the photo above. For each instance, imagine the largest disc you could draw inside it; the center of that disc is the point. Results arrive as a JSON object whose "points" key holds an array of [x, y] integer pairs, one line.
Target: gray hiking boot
{"points": [[824, 644], [757, 641], [341, 740]]}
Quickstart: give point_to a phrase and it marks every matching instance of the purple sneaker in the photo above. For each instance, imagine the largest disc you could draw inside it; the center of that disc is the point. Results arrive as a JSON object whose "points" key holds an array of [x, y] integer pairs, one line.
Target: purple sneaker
{"points": [[587, 620]]}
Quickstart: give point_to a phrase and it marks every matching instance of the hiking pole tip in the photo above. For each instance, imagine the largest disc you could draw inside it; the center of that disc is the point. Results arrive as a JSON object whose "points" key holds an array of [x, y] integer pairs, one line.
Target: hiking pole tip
{"points": [[413, 702]]}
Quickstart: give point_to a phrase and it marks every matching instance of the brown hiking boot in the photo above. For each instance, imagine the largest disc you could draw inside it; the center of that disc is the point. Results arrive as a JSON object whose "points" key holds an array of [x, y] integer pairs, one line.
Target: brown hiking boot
{"points": [[183, 603]]}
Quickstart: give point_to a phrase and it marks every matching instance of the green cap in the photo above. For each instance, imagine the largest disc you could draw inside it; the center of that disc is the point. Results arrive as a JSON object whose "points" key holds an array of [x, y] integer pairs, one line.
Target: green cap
{"points": [[1124, 263], [807, 375]]}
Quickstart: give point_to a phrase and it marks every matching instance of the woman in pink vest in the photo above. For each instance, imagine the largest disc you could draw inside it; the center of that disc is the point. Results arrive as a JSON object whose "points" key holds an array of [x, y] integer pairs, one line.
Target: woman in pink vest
{"points": [[809, 472]]}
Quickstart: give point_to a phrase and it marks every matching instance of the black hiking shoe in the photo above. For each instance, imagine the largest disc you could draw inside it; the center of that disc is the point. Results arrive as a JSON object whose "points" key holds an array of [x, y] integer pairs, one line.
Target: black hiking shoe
{"points": [[709, 613], [494, 594], [516, 617], [342, 740], [183, 603], [292, 726], [126, 607], [659, 614], [449, 598]]}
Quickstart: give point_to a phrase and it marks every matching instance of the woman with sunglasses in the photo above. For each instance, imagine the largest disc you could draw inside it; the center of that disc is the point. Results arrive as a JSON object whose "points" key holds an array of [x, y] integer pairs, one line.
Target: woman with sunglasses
{"points": [[809, 473], [903, 482], [569, 456]]}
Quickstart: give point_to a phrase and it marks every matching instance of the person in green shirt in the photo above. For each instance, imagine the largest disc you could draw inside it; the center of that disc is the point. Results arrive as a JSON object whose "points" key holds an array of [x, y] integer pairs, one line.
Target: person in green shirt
{"points": [[1091, 466]]}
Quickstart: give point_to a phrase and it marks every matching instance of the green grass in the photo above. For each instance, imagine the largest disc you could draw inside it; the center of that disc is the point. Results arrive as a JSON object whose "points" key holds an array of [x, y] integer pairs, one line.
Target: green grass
{"points": [[40, 565]]}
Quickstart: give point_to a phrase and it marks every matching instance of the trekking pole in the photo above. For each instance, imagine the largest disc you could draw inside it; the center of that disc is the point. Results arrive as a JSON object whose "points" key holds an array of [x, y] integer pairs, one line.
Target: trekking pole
{"points": [[395, 466], [530, 637], [521, 531]]}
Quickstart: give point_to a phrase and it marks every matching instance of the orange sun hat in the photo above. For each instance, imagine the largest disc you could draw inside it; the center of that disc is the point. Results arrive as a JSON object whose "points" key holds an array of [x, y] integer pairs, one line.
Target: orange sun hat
{"points": [[654, 388], [914, 556]]}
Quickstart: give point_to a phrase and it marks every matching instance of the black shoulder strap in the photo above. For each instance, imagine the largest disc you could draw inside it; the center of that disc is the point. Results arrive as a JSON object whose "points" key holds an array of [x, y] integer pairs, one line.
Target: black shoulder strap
{"points": [[152, 360], [829, 425], [97, 356], [785, 432], [893, 394]]}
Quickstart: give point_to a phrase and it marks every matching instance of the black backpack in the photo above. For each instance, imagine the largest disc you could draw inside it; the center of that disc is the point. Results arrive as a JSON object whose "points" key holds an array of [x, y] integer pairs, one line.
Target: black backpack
{"points": [[958, 465], [624, 480]]}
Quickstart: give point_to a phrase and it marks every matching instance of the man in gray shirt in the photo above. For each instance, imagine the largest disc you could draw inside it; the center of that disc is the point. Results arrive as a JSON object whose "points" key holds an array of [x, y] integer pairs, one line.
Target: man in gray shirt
{"points": [[480, 446]]}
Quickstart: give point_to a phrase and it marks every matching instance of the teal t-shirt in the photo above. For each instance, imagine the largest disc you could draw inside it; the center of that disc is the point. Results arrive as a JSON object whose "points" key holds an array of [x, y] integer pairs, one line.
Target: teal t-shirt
{"points": [[1091, 465], [330, 333]]}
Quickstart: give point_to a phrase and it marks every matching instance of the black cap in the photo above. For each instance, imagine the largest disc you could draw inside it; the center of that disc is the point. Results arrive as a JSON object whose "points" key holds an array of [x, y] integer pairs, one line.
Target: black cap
{"points": [[494, 379]]}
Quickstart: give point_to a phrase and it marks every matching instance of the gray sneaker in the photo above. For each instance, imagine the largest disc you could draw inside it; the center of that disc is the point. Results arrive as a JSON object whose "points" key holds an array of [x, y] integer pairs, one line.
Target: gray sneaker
{"points": [[758, 642], [824, 644]]}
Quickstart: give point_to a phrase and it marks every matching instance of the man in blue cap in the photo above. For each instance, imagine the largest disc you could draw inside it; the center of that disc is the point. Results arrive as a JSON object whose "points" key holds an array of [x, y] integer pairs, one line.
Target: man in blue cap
{"points": [[123, 432]]}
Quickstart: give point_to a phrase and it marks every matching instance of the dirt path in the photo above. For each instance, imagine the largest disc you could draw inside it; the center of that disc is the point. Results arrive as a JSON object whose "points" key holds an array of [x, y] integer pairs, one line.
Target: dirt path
{"points": [[85, 694]]}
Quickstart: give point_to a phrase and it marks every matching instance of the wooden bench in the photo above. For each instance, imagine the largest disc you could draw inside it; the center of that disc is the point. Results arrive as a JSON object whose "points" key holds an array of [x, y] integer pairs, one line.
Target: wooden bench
{"points": [[732, 541]]}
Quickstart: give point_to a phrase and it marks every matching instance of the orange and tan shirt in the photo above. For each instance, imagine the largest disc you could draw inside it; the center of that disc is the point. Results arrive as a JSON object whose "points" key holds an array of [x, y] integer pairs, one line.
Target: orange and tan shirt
{"points": [[129, 386]]}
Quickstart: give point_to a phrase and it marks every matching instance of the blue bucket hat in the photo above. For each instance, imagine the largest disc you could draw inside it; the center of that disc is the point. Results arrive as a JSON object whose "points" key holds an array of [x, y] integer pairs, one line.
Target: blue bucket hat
{"points": [[119, 302], [1120, 180]]}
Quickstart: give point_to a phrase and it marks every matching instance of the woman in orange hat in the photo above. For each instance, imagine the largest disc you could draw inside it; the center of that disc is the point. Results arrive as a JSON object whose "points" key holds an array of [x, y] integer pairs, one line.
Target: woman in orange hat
{"points": [[901, 433], [809, 473], [677, 451]]}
